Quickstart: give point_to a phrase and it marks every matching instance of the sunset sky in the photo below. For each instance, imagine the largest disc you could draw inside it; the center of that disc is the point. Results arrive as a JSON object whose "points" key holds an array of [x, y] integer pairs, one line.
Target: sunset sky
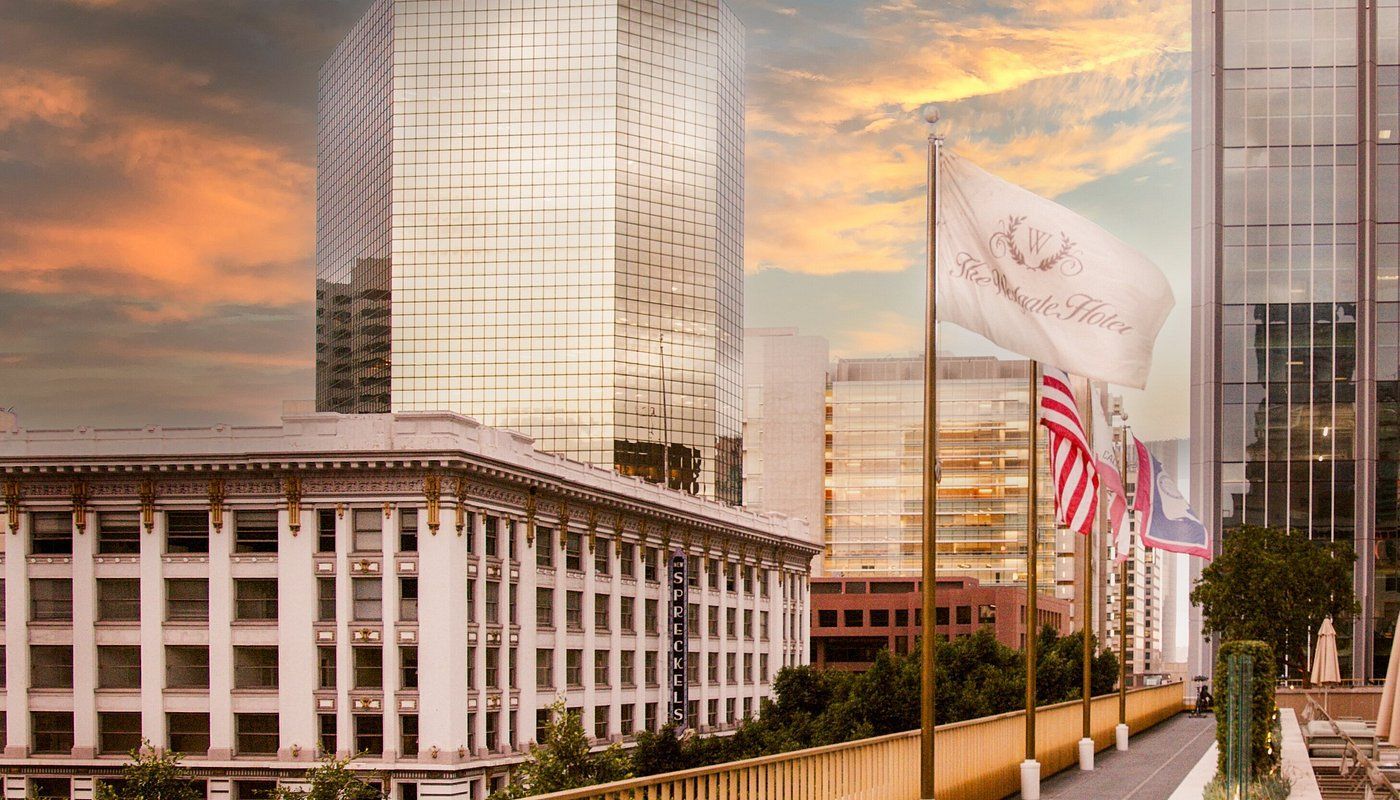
{"points": [[157, 165]]}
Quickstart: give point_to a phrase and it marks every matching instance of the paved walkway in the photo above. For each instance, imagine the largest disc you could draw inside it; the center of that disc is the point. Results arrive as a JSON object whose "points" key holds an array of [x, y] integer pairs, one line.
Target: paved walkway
{"points": [[1156, 763]]}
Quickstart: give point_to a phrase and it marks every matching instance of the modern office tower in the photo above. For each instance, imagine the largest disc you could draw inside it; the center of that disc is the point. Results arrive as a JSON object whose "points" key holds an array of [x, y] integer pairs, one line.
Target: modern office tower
{"points": [[414, 587], [874, 444], [532, 213], [1296, 284], [784, 423]]}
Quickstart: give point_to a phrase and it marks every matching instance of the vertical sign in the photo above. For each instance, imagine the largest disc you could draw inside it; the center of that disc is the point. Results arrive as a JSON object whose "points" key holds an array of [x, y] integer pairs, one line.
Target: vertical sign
{"points": [[680, 595]]}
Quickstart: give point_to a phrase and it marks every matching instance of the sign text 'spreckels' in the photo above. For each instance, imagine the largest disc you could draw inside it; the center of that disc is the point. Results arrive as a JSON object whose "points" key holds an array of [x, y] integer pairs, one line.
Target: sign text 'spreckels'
{"points": [[680, 596]]}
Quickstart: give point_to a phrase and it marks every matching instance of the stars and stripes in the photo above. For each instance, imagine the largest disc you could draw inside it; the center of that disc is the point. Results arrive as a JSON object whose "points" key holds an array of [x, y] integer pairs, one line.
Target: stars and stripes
{"points": [[1071, 459]]}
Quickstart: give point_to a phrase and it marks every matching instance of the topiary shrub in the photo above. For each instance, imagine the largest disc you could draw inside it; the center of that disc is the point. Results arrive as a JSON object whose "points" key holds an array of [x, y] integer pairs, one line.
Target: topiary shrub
{"points": [[1264, 750]]}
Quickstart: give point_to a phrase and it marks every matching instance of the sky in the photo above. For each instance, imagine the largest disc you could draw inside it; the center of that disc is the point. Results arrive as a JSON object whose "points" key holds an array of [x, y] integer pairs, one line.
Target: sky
{"points": [[157, 170]]}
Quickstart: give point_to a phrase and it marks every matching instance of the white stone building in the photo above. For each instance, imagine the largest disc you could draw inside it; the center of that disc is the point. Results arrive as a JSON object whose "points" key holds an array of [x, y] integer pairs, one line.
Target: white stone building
{"points": [[413, 585]]}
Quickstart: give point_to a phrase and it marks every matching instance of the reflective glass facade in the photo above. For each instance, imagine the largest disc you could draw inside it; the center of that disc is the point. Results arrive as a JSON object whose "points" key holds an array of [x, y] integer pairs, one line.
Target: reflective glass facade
{"points": [[874, 444], [1297, 225], [564, 223]]}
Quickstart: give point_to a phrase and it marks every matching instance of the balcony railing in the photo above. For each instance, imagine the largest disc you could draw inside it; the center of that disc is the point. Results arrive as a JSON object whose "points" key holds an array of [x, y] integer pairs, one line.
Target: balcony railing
{"points": [[977, 760]]}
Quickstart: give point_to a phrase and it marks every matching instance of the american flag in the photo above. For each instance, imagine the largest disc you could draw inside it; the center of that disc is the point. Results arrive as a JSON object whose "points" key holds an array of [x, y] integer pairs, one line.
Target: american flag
{"points": [[1071, 459]]}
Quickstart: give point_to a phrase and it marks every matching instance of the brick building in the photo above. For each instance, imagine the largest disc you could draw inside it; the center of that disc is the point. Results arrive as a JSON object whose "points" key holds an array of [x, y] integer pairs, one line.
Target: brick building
{"points": [[853, 619]]}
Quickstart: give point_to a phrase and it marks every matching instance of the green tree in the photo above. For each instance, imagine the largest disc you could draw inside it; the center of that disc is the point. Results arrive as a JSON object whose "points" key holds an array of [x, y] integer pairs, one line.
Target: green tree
{"points": [[1276, 586], [151, 776], [564, 760], [332, 780]]}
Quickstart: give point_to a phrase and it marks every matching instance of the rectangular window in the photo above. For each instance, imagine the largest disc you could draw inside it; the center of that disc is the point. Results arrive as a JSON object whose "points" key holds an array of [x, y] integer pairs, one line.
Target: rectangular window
{"points": [[602, 556], [118, 599], [573, 668], [627, 559], [573, 610], [51, 599], [964, 615], [650, 665], [626, 668], [369, 599], [879, 618], [51, 533], [649, 558], [493, 668], [747, 677], [408, 599], [325, 658], [712, 621], [653, 613], [692, 668], [544, 547], [118, 732], [731, 668], [369, 530], [187, 668], [255, 734], [712, 667], [493, 733], [408, 668], [763, 583], [542, 716], [408, 736], [471, 599], [493, 602], [326, 726], [731, 576], [628, 614], [651, 716], [544, 669], [369, 667], [186, 599], [255, 599], [544, 607], [763, 625], [600, 722], [325, 599], [118, 533], [51, 788], [511, 678], [187, 532], [119, 667], [573, 551], [52, 731], [255, 667], [471, 667], [512, 535], [189, 733], [408, 535], [748, 623], [513, 604], [748, 579], [369, 734], [712, 574], [629, 719], [712, 712], [255, 532], [731, 617], [600, 613], [763, 667], [602, 663], [325, 531], [853, 618], [493, 532], [51, 666]]}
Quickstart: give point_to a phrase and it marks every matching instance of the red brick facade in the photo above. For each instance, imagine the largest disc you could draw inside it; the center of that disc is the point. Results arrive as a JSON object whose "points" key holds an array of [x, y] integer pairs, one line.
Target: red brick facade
{"points": [[853, 618]]}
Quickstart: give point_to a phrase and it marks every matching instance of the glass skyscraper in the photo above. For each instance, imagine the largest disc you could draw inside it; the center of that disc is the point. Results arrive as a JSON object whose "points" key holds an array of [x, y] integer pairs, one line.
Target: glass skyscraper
{"points": [[531, 212], [1296, 292], [874, 462]]}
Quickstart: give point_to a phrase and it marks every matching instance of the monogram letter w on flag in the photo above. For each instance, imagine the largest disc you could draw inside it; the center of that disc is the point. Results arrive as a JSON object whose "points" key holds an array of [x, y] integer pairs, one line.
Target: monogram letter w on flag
{"points": [[1042, 281]]}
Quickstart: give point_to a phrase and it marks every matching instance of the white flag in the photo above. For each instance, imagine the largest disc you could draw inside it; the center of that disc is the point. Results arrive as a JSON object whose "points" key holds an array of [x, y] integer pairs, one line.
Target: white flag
{"points": [[1042, 281]]}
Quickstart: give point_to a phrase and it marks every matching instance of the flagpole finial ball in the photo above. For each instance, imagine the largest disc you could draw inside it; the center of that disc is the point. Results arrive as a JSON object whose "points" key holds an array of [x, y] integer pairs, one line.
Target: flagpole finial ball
{"points": [[931, 114]]}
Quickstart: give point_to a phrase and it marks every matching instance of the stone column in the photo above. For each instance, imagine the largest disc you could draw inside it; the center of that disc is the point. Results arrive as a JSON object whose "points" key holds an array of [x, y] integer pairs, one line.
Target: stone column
{"points": [[17, 737], [297, 667], [152, 595], [84, 641], [221, 728]]}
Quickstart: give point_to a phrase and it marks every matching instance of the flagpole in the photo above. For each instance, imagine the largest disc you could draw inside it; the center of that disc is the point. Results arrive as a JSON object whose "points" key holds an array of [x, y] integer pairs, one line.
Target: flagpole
{"points": [[929, 647], [1086, 743], [1121, 732], [1030, 768]]}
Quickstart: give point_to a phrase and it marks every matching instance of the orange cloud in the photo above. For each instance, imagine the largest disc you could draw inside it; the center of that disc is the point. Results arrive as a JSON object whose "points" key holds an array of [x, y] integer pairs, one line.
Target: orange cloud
{"points": [[194, 218]]}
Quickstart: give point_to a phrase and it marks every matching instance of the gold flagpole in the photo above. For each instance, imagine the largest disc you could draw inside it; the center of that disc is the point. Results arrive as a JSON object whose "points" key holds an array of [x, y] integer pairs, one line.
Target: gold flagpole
{"points": [[1086, 760], [1123, 596], [1030, 769], [929, 646]]}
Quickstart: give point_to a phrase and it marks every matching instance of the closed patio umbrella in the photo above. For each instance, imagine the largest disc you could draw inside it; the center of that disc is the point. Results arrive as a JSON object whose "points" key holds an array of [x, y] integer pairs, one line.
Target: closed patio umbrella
{"points": [[1324, 667], [1387, 726]]}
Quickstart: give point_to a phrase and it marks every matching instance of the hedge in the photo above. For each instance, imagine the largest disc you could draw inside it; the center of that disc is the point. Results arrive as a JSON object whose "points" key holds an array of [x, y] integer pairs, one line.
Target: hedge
{"points": [[1264, 757]]}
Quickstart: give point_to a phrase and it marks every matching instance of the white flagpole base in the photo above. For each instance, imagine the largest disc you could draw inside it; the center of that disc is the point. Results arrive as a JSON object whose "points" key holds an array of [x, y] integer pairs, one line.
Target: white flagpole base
{"points": [[1030, 780], [1086, 755], [1120, 732]]}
